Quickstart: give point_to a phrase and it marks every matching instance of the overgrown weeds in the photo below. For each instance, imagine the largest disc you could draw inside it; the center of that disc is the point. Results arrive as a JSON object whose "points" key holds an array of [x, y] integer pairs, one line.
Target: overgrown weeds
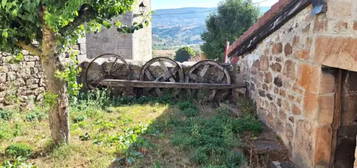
{"points": [[136, 132], [18, 150]]}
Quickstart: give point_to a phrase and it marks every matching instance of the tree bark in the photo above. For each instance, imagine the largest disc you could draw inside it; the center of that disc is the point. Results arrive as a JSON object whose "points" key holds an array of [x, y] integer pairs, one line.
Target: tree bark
{"points": [[58, 114]]}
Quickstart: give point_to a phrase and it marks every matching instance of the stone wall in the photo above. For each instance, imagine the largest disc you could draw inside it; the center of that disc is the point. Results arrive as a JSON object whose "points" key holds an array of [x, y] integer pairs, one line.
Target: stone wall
{"points": [[20, 83], [294, 96]]}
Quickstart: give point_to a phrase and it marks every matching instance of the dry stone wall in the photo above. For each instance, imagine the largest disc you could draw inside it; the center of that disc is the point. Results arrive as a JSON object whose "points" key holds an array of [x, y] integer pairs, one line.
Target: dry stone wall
{"points": [[294, 96], [20, 83]]}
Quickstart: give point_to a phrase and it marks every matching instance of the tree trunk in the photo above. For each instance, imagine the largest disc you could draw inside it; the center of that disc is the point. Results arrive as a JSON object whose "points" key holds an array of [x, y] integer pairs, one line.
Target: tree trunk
{"points": [[58, 114]]}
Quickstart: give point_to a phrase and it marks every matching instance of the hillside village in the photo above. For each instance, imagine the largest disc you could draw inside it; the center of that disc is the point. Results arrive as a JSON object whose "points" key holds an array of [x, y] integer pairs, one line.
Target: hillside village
{"points": [[114, 84]]}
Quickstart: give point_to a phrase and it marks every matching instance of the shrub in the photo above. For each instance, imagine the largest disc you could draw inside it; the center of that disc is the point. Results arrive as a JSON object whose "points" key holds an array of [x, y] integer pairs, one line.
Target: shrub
{"points": [[79, 118], [185, 105], [184, 54], [4, 134], [17, 163], [247, 123], [5, 114], [35, 116], [190, 112], [18, 150]]}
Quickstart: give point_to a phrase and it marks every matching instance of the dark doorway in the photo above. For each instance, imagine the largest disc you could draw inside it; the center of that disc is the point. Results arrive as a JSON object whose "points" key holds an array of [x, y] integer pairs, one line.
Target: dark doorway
{"points": [[345, 137]]}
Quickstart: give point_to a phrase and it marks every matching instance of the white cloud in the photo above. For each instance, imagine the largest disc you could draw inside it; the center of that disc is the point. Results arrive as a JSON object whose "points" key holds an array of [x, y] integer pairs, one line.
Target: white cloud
{"points": [[267, 3]]}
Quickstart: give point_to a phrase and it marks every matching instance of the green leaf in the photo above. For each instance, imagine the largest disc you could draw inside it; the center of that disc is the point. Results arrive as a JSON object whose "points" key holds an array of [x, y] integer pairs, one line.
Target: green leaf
{"points": [[3, 3], [5, 34]]}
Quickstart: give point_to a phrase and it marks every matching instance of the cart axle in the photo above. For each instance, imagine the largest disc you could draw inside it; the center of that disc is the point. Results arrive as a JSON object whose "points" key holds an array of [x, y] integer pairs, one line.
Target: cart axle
{"points": [[156, 84]]}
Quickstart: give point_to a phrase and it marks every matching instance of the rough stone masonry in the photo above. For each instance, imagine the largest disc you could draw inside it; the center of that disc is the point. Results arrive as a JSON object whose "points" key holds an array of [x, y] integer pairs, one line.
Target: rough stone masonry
{"points": [[20, 82], [286, 77]]}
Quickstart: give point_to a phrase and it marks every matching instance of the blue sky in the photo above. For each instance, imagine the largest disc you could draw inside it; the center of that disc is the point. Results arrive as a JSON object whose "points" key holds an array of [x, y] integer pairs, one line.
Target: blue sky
{"points": [[168, 4]]}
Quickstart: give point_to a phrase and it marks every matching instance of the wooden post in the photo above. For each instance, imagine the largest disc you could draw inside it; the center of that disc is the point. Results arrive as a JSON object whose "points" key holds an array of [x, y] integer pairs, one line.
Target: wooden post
{"points": [[336, 116]]}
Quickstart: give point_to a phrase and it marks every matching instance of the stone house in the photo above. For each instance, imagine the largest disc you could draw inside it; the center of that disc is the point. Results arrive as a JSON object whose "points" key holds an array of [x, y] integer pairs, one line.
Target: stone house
{"points": [[136, 46], [300, 63]]}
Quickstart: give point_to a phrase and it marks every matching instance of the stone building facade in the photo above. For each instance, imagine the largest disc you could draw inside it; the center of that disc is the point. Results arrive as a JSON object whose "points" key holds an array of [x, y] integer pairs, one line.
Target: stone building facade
{"points": [[136, 46], [303, 78]]}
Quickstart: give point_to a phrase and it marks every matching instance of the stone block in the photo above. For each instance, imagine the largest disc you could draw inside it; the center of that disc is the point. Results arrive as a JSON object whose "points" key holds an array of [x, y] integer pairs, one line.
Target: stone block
{"points": [[277, 48], [268, 77], [339, 52], [341, 26], [303, 144], [296, 110], [30, 64], [309, 77], [298, 90], [286, 105], [296, 40], [289, 134], [276, 67], [279, 102], [307, 28], [323, 146], [326, 109], [320, 24], [311, 105], [282, 92], [4, 69], [282, 115], [264, 63], [339, 9], [278, 81], [302, 54], [289, 69], [11, 76], [2, 77], [292, 119], [327, 83], [288, 49]]}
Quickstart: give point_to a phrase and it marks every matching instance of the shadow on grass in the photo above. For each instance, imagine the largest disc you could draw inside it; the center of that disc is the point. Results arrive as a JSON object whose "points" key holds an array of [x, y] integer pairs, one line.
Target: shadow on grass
{"points": [[143, 132], [189, 134]]}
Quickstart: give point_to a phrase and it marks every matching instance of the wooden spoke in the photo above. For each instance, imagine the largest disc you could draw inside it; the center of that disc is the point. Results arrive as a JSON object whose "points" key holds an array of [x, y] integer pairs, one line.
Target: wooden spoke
{"points": [[212, 95], [204, 70], [111, 70], [220, 77], [149, 75], [98, 70], [169, 75], [194, 77], [163, 66], [198, 74], [158, 92], [163, 73]]}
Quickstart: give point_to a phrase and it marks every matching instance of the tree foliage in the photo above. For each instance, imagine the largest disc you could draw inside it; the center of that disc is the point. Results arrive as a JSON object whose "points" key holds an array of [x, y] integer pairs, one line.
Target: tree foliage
{"points": [[232, 19], [46, 28], [184, 54], [22, 20]]}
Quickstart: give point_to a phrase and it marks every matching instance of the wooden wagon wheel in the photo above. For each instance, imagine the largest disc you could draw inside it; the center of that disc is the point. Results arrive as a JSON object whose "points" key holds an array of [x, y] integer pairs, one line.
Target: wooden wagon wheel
{"points": [[161, 69], [106, 66], [208, 72]]}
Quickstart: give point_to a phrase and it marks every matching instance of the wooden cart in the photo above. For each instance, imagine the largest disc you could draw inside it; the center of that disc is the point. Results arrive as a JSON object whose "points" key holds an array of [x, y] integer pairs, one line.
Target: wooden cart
{"points": [[160, 74]]}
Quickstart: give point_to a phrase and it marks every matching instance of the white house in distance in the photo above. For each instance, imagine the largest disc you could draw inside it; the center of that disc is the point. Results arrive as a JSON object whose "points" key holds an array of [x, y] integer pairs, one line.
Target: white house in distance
{"points": [[136, 46]]}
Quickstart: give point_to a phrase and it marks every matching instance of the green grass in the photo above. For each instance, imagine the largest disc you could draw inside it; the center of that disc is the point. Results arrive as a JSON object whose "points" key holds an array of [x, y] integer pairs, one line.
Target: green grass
{"points": [[18, 150], [128, 132]]}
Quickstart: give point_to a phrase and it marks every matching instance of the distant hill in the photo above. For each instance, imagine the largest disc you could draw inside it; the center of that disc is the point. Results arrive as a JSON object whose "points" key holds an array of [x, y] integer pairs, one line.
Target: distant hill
{"points": [[173, 28]]}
